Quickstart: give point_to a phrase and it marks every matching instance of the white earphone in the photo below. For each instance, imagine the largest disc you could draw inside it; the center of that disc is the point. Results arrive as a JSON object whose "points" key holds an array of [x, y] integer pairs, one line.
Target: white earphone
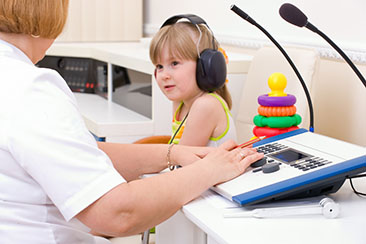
{"points": [[327, 207]]}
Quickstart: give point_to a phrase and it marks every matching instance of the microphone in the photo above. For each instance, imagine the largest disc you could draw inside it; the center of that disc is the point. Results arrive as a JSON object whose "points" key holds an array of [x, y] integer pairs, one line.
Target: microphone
{"points": [[245, 16], [295, 16]]}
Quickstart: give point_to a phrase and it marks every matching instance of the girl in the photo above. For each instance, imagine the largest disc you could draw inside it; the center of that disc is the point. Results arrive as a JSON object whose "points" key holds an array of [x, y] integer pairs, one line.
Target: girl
{"points": [[200, 117]]}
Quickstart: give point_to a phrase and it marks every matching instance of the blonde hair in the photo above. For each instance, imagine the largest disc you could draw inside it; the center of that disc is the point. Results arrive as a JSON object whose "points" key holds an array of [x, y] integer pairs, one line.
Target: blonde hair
{"points": [[45, 18], [179, 39]]}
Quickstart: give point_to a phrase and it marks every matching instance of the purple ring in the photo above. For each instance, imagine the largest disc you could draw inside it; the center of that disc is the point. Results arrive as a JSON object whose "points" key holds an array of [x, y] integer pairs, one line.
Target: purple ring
{"points": [[268, 101]]}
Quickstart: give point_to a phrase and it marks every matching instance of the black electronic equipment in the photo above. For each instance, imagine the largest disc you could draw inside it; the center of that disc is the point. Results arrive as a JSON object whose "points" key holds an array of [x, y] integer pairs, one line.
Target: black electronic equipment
{"points": [[211, 63], [85, 75]]}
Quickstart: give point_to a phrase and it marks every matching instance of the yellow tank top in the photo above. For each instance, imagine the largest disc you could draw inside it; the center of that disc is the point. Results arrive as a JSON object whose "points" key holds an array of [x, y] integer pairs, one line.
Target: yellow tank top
{"points": [[229, 132]]}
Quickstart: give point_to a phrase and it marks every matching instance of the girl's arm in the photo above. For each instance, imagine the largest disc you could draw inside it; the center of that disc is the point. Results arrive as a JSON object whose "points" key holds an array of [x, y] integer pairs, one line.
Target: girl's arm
{"points": [[206, 117]]}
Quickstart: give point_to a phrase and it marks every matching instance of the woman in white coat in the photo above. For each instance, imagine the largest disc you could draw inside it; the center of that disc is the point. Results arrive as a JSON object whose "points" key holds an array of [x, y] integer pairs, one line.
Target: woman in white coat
{"points": [[56, 184]]}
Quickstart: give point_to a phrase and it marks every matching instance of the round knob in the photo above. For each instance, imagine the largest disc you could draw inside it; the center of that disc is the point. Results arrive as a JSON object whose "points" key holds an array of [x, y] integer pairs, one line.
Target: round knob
{"points": [[269, 168], [259, 162], [61, 63]]}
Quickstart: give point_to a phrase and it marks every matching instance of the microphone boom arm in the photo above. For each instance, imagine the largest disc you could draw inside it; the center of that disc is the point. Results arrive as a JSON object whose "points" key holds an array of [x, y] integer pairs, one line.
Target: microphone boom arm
{"points": [[344, 56], [246, 17]]}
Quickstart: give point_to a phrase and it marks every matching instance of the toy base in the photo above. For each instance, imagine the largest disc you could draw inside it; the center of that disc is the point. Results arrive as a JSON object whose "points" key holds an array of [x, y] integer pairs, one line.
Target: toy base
{"points": [[268, 132]]}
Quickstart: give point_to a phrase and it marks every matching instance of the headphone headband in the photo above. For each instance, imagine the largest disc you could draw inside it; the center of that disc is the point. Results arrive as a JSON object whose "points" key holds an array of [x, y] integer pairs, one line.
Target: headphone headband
{"points": [[194, 19]]}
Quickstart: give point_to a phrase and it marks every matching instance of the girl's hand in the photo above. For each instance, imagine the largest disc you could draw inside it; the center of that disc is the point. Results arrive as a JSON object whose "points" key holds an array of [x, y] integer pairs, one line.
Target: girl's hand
{"points": [[185, 155]]}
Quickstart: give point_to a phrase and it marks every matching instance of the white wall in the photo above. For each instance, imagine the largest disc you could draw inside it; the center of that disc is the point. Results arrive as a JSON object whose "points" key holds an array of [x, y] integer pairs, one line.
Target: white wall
{"points": [[343, 21], [103, 20]]}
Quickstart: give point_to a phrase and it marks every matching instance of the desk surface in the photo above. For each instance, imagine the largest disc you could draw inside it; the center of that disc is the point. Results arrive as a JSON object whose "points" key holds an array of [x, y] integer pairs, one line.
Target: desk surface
{"points": [[106, 119], [349, 227]]}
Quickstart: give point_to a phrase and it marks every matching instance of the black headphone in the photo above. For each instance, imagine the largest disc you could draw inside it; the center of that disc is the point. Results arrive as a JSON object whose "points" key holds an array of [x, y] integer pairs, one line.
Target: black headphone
{"points": [[211, 63]]}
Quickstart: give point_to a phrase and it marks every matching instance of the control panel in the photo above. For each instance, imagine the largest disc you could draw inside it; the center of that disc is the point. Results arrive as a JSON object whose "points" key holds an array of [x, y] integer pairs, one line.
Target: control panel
{"points": [[276, 154], [295, 164], [84, 74]]}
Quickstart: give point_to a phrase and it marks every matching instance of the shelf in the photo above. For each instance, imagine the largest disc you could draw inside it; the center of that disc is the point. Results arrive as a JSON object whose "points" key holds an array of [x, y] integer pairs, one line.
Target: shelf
{"points": [[105, 119]]}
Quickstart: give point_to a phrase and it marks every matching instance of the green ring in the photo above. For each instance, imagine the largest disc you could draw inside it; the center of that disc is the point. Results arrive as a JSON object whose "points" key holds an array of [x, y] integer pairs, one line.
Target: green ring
{"points": [[277, 122]]}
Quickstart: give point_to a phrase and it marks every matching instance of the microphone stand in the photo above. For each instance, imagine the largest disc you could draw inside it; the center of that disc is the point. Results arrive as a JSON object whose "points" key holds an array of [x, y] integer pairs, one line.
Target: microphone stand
{"points": [[245, 16]]}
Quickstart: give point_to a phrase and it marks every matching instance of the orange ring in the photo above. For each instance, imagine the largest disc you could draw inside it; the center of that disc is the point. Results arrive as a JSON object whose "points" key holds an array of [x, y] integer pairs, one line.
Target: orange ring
{"points": [[277, 111]]}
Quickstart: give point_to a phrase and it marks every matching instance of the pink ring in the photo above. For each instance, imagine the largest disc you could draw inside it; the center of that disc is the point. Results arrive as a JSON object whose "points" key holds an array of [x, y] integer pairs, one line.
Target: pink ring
{"points": [[266, 100]]}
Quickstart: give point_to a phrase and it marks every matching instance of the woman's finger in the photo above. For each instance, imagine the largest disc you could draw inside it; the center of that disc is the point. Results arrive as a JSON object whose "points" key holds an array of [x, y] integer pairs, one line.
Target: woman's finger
{"points": [[229, 145], [243, 152], [251, 158]]}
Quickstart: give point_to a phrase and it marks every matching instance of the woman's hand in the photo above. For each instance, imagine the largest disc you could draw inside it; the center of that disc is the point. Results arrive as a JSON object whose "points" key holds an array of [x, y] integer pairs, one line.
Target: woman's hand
{"points": [[228, 162]]}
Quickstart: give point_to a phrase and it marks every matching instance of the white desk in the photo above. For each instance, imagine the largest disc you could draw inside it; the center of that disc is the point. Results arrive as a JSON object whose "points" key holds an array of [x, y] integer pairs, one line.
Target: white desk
{"points": [[107, 119], [201, 222]]}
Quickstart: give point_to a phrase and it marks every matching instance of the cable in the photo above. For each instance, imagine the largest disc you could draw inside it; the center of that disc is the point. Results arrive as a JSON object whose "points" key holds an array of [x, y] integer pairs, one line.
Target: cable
{"points": [[176, 132], [353, 188]]}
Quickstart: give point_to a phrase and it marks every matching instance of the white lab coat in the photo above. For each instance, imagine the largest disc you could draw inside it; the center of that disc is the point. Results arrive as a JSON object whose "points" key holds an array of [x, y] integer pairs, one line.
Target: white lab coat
{"points": [[50, 165]]}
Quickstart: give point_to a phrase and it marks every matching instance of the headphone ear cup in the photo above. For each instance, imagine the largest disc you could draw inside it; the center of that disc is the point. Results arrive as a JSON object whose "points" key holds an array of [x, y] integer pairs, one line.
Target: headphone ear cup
{"points": [[211, 70]]}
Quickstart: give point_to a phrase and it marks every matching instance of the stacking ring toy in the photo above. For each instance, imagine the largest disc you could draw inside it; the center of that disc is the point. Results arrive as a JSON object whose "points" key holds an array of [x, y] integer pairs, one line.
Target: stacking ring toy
{"points": [[268, 132], [277, 111], [277, 122], [268, 101]]}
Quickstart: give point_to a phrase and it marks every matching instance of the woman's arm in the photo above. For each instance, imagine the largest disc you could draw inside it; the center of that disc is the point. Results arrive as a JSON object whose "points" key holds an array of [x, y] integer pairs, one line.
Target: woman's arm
{"points": [[133, 207], [134, 160]]}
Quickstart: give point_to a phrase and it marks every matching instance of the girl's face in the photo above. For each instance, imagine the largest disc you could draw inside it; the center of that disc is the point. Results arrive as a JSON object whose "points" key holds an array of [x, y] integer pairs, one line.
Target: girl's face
{"points": [[176, 77]]}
